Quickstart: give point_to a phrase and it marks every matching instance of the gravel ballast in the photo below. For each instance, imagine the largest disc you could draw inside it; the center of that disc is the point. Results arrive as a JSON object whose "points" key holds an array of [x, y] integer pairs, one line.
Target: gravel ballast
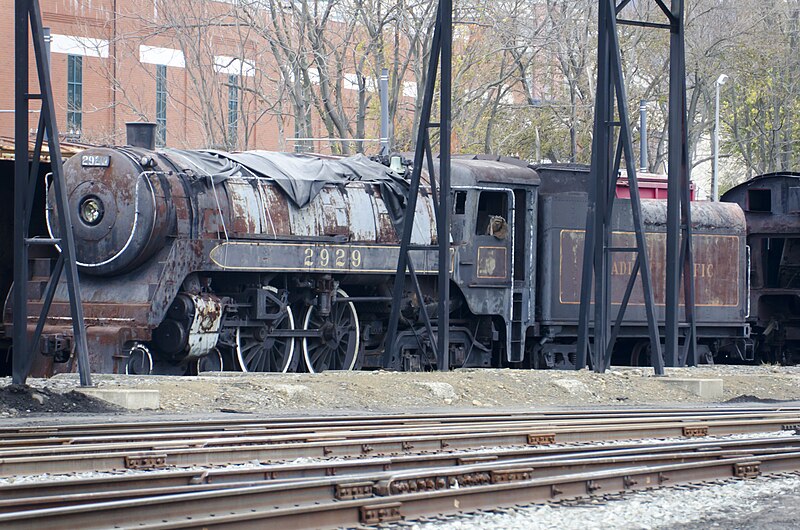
{"points": [[382, 391], [764, 502]]}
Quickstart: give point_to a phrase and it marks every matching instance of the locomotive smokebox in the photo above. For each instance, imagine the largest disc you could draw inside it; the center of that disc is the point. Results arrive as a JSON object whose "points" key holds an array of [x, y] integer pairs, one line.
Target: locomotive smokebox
{"points": [[141, 134], [124, 209]]}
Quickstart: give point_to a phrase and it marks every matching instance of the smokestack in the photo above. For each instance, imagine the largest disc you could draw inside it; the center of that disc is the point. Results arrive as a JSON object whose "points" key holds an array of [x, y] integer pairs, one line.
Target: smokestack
{"points": [[141, 134], [384, 88]]}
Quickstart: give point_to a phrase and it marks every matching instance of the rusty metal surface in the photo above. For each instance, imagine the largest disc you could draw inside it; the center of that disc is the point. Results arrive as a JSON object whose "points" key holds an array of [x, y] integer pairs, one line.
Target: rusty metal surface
{"points": [[316, 422], [189, 451], [68, 149], [536, 433], [718, 246], [205, 326], [353, 212], [393, 475], [136, 204], [370, 496], [716, 275]]}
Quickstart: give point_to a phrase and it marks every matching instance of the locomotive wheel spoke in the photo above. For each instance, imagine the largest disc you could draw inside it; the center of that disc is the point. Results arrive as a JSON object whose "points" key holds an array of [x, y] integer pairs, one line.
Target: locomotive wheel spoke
{"points": [[257, 350], [639, 355], [336, 347]]}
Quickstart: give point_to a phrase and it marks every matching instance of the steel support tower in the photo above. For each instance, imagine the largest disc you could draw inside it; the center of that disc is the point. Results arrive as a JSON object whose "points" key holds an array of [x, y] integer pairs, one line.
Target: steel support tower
{"points": [[441, 49], [27, 13], [611, 142]]}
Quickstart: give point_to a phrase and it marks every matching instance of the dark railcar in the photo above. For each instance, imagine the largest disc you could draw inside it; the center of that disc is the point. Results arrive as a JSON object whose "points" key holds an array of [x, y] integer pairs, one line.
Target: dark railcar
{"points": [[771, 205], [720, 277]]}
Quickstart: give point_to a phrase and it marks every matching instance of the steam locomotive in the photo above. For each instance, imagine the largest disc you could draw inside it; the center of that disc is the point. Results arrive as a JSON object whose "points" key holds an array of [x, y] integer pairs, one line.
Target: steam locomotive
{"points": [[196, 261], [771, 204]]}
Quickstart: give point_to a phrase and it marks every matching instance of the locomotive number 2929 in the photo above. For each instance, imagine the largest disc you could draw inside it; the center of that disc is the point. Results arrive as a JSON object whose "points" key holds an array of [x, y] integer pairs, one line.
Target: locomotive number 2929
{"points": [[337, 258], [95, 160]]}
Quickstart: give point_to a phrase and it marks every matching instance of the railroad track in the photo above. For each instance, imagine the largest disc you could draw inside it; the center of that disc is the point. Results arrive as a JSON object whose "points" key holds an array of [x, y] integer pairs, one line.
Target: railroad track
{"points": [[369, 474], [317, 423], [46, 449]]}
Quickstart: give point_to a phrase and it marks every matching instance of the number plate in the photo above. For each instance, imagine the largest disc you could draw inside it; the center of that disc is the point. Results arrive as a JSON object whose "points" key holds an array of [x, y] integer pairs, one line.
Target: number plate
{"points": [[95, 160]]}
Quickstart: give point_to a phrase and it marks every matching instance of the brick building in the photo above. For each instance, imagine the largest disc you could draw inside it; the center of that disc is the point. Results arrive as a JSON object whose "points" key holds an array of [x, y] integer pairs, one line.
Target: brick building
{"points": [[114, 61]]}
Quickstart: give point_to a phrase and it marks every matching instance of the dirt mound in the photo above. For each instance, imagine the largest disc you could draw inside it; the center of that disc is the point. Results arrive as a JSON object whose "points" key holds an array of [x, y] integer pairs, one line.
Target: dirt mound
{"points": [[22, 400], [753, 399]]}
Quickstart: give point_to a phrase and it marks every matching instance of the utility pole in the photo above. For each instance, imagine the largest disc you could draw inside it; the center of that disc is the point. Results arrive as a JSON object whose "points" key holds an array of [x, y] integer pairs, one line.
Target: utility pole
{"points": [[384, 93], [643, 136], [721, 80]]}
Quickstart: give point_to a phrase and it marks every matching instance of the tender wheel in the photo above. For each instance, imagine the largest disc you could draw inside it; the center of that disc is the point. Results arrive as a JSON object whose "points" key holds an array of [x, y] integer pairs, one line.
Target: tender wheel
{"points": [[258, 350], [537, 358], [640, 354], [337, 346], [140, 361], [211, 362]]}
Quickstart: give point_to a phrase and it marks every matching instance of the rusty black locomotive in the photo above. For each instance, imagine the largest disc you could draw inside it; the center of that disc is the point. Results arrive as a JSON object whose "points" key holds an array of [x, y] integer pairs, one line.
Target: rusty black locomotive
{"points": [[255, 261], [771, 204]]}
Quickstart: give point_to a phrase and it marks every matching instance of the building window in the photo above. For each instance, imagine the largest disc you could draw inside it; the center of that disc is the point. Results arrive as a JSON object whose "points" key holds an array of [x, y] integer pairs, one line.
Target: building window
{"points": [[74, 94], [233, 110], [161, 105]]}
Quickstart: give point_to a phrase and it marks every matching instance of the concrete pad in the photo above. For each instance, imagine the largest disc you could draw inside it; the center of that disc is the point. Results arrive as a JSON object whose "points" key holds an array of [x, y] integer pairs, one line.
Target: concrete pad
{"points": [[129, 398], [705, 388]]}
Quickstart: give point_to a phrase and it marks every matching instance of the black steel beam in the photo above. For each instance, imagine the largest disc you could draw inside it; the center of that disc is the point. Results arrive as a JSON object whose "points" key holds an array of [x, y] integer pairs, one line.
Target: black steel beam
{"points": [[642, 24], [679, 233], [443, 225], [676, 121], [441, 48], [604, 174], [664, 9], [621, 5], [21, 362], [636, 206], [28, 12]]}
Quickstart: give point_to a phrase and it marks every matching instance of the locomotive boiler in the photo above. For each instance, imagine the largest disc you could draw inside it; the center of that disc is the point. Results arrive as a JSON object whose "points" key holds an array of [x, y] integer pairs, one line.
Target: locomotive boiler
{"points": [[184, 255], [192, 261]]}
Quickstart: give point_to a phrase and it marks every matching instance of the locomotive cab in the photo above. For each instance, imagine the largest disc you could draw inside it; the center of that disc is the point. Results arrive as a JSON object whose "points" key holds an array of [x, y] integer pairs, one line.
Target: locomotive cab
{"points": [[494, 226], [771, 204]]}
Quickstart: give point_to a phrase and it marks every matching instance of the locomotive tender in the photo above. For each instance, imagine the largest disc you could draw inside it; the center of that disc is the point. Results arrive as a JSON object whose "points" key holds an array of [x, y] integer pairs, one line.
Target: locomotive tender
{"points": [[203, 260]]}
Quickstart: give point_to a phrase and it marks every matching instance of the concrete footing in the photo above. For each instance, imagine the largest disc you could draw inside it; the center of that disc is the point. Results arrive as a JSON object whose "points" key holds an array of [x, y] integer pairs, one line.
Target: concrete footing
{"points": [[705, 388], [129, 398]]}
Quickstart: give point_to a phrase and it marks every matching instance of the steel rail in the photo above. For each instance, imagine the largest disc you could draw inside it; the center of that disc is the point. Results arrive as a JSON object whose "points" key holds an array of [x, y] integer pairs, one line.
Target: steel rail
{"points": [[315, 422], [144, 442], [328, 503], [32, 443], [67, 459], [545, 462]]}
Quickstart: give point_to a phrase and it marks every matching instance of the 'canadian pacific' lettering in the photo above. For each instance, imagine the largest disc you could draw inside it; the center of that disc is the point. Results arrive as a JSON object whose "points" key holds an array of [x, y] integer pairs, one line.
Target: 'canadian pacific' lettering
{"points": [[625, 268]]}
